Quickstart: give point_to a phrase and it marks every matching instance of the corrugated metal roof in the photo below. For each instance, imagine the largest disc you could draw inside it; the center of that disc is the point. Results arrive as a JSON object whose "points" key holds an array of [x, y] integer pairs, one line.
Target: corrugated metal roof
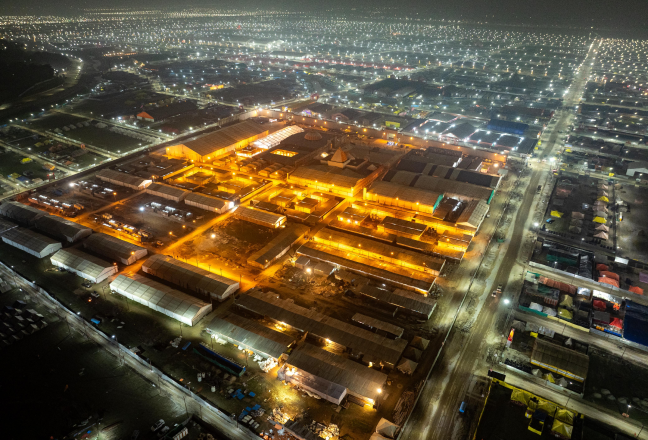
{"points": [[113, 247], [251, 334], [162, 298], [329, 176], [377, 323], [560, 357], [6, 225], [473, 214], [161, 188], [279, 244], [373, 346], [405, 193], [358, 379], [29, 239], [224, 137], [189, 276], [21, 213], [274, 139], [257, 215], [121, 178], [79, 261], [62, 228], [210, 201], [402, 298]]}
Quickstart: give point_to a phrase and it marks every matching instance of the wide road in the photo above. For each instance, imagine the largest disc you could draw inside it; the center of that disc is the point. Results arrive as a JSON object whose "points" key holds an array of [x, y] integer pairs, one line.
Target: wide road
{"points": [[435, 415]]}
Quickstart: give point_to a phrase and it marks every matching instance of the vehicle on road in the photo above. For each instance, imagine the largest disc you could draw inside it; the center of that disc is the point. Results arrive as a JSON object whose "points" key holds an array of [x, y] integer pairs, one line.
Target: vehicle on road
{"points": [[550, 220], [497, 291], [163, 431], [94, 294], [157, 425]]}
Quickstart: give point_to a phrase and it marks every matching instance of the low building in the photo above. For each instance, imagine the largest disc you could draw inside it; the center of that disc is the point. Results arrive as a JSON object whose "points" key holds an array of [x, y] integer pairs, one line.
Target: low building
{"points": [[278, 246], [405, 197], [361, 343], [560, 360], [209, 203], [61, 228], [157, 114], [341, 181], [6, 225], [162, 298], [408, 301], [23, 214], [168, 192], [190, 277], [208, 147], [332, 377], [85, 265], [251, 335], [473, 214], [259, 217], [31, 242], [123, 179], [114, 248]]}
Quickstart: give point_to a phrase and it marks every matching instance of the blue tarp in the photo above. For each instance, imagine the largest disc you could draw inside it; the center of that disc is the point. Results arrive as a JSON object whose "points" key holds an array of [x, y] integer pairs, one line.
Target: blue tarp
{"points": [[507, 126]]}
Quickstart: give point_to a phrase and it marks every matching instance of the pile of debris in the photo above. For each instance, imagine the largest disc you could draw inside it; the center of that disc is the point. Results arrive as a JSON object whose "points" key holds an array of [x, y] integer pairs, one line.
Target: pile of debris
{"points": [[406, 403]]}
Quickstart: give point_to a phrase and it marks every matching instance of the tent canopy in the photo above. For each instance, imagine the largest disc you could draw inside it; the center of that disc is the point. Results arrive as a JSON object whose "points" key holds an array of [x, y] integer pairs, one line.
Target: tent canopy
{"points": [[562, 429], [386, 428], [555, 213], [602, 235], [521, 396], [602, 228], [599, 220], [406, 366], [603, 199], [575, 230], [578, 215]]}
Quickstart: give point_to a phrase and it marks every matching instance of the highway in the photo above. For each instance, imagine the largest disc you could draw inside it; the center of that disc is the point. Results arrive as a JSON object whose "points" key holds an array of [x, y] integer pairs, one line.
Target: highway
{"points": [[436, 414]]}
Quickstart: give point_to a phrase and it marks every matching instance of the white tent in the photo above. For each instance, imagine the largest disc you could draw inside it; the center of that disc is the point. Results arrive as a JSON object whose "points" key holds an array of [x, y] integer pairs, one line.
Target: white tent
{"points": [[600, 214], [578, 215], [602, 235], [406, 366], [387, 428], [602, 228]]}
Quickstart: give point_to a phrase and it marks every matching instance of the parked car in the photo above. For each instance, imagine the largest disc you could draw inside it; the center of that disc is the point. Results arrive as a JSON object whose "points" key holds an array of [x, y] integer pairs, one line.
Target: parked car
{"points": [[163, 431], [94, 294], [157, 425]]}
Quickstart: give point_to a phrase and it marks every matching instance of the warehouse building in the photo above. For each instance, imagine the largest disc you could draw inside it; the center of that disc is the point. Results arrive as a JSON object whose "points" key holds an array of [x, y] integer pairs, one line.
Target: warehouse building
{"points": [[123, 179], [332, 377], [421, 305], [31, 242], [259, 217], [474, 214], [23, 214], [190, 277], [345, 182], [85, 265], [157, 296], [274, 139], [462, 191], [362, 344], [251, 335], [374, 249], [61, 228], [278, 246], [208, 203], [167, 192], [404, 197], [560, 360], [210, 146], [6, 225], [114, 248]]}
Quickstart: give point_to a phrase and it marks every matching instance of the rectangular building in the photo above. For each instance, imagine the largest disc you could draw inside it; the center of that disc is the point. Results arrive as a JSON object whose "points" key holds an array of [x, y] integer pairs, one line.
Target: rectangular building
{"points": [[208, 203], [61, 228], [259, 217], [85, 265], [123, 179], [208, 147], [372, 348], [405, 197], [159, 297], [114, 248], [323, 373], [190, 277], [23, 214], [250, 335], [31, 242], [168, 192], [278, 246]]}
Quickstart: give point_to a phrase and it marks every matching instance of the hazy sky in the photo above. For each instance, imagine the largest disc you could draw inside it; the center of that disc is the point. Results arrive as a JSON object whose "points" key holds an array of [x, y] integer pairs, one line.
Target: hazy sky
{"points": [[615, 14]]}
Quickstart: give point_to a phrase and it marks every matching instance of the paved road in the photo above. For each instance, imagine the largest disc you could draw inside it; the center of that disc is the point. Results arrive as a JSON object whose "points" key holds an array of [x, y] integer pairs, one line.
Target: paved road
{"points": [[434, 417]]}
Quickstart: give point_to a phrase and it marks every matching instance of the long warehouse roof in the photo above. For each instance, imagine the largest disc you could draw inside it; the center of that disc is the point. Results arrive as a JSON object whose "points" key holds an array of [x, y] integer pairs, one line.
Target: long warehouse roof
{"points": [[81, 262], [161, 297], [561, 358], [251, 334], [169, 190], [402, 298], [274, 139], [118, 176], [277, 245], [62, 228], [405, 193], [20, 212], [113, 247], [224, 137], [357, 378], [210, 201], [192, 277], [252, 214], [29, 239], [364, 244], [373, 346], [328, 176]]}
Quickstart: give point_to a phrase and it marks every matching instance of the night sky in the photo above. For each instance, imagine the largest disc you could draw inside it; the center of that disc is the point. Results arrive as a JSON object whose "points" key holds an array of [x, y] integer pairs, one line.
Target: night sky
{"points": [[626, 16]]}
